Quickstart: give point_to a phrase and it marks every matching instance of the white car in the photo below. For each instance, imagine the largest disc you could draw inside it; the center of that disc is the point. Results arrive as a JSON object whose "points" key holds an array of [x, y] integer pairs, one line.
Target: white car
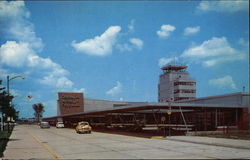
{"points": [[59, 125]]}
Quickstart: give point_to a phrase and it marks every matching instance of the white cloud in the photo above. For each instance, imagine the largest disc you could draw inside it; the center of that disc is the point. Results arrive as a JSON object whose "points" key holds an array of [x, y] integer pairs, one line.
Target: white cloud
{"points": [[244, 43], [59, 82], [165, 31], [14, 24], [22, 51], [224, 6], [21, 55], [131, 26], [124, 47], [115, 90], [81, 90], [100, 45], [64, 82], [15, 54], [138, 43], [164, 61], [191, 30], [46, 64], [223, 82], [13, 9], [135, 43], [24, 31], [213, 52]]}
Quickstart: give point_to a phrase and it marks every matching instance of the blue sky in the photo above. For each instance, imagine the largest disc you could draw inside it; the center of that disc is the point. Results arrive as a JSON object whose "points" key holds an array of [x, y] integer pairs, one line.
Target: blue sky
{"points": [[114, 50]]}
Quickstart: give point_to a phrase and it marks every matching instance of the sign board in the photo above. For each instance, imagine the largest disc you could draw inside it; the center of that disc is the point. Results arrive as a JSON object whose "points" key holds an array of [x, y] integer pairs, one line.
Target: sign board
{"points": [[70, 102]]}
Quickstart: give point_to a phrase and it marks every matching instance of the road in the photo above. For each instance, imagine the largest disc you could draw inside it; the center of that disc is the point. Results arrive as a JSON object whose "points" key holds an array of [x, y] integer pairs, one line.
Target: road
{"points": [[29, 141]]}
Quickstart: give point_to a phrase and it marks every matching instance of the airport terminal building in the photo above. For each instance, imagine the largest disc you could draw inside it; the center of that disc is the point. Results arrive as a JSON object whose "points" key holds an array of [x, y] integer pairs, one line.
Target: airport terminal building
{"points": [[177, 108]]}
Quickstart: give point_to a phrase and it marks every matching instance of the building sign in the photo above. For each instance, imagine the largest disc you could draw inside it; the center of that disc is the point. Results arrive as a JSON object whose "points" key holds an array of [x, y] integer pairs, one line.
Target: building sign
{"points": [[70, 102]]}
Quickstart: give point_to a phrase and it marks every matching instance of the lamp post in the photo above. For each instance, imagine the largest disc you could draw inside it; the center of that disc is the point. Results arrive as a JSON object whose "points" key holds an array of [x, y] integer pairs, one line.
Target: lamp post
{"points": [[169, 112], [8, 88], [8, 82]]}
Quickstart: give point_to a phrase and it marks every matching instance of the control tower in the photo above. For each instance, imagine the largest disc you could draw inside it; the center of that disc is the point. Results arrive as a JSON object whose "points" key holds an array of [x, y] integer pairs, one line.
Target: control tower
{"points": [[175, 84]]}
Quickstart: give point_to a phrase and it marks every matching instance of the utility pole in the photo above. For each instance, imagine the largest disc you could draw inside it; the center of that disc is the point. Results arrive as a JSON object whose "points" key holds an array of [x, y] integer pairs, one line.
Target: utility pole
{"points": [[8, 91], [169, 112], [1, 119], [8, 82]]}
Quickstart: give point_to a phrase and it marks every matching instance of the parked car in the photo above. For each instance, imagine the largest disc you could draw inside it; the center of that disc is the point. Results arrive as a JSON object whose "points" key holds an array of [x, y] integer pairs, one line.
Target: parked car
{"points": [[59, 125], [83, 127], [44, 125]]}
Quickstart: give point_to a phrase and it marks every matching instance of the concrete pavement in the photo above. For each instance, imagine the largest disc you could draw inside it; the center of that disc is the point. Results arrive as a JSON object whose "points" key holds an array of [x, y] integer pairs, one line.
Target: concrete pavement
{"points": [[23, 146], [224, 142], [29, 142]]}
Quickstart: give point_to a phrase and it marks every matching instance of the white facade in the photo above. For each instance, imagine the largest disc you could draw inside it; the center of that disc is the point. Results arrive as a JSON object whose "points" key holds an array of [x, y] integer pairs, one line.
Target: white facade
{"points": [[98, 105], [175, 84]]}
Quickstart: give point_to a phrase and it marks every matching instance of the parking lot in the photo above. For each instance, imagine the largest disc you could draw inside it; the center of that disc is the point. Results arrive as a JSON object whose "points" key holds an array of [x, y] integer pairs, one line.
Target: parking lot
{"points": [[29, 141]]}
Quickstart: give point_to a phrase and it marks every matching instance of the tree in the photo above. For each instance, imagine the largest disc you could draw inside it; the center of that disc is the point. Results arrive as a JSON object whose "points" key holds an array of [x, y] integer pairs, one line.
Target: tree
{"points": [[7, 109], [5, 104], [39, 109], [11, 112]]}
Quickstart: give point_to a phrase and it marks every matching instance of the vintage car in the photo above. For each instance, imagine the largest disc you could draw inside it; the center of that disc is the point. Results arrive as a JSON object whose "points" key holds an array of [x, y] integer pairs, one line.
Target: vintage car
{"points": [[59, 125], [44, 125], [83, 127]]}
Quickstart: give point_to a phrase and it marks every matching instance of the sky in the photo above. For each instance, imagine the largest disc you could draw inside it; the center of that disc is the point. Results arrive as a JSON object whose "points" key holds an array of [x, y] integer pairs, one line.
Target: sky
{"points": [[114, 50]]}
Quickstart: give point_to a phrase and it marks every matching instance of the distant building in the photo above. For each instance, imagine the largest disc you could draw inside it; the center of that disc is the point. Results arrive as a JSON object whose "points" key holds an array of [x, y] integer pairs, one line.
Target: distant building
{"points": [[175, 84], [177, 97]]}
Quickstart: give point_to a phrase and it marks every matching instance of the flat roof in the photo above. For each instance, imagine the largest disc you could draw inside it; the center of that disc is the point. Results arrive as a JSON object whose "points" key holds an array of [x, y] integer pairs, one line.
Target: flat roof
{"points": [[142, 106], [174, 67], [149, 106]]}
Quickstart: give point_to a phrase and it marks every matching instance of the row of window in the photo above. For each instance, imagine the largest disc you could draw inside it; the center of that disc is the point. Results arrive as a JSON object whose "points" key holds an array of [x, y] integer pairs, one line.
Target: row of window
{"points": [[184, 91], [183, 98], [176, 99], [184, 83]]}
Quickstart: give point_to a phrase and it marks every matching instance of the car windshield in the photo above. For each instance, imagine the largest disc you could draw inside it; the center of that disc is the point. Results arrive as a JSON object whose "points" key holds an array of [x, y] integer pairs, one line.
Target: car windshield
{"points": [[45, 123], [83, 124], [60, 122]]}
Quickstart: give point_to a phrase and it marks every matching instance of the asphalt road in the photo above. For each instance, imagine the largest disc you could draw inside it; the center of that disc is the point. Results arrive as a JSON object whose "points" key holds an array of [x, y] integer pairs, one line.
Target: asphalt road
{"points": [[32, 142]]}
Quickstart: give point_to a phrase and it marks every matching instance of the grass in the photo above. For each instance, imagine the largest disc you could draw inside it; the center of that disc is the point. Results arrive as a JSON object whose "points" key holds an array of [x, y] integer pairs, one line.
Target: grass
{"points": [[4, 138]]}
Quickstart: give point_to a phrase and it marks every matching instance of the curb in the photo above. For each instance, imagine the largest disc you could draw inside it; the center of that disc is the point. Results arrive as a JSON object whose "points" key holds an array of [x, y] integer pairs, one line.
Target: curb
{"points": [[212, 144]]}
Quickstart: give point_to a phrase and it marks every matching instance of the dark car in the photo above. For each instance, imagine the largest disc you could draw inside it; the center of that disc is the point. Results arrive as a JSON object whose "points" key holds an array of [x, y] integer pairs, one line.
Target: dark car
{"points": [[44, 125]]}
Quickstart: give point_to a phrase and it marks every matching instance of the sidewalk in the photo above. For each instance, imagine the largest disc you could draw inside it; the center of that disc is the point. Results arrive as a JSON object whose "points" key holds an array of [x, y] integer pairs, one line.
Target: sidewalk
{"points": [[22, 146], [232, 143]]}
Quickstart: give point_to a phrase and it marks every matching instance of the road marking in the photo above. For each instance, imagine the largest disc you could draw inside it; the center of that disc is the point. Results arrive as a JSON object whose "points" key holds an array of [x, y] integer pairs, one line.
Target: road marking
{"points": [[45, 147]]}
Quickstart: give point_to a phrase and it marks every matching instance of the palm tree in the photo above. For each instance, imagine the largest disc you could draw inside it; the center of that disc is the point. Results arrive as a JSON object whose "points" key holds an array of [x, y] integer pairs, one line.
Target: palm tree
{"points": [[39, 109]]}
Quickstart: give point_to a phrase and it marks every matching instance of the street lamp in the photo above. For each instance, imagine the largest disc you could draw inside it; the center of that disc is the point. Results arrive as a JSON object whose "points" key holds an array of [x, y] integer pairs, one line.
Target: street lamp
{"points": [[8, 82], [8, 92]]}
